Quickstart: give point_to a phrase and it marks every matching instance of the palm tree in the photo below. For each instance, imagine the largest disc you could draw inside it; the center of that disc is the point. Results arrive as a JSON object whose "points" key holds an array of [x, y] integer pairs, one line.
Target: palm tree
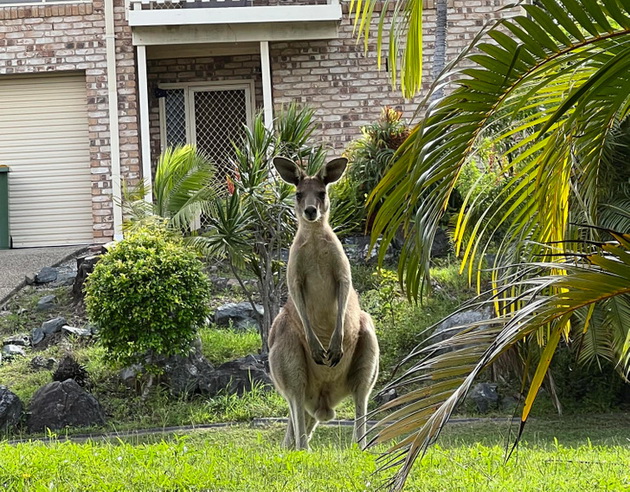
{"points": [[552, 90], [441, 41]]}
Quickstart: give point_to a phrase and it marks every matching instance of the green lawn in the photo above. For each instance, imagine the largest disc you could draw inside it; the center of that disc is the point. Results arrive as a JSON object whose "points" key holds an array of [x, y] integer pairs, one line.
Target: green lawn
{"points": [[575, 454]]}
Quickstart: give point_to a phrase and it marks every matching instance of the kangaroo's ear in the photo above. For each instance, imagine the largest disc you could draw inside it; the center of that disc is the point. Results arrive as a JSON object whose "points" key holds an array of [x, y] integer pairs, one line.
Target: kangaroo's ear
{"points": [[288, 170], [333, 170]]}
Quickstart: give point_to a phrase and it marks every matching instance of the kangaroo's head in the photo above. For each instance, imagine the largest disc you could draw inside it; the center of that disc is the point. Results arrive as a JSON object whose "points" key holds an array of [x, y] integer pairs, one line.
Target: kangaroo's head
{"points": [[311, 199]]}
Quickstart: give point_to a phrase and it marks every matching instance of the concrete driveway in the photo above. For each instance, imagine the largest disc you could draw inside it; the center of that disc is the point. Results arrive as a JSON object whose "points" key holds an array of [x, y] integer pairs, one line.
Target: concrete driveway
{"points": [[16, 264]]}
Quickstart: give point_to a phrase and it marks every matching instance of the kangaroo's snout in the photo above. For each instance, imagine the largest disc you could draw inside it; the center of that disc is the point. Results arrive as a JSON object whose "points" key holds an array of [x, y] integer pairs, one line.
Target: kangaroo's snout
{"points": [[310, 213]]}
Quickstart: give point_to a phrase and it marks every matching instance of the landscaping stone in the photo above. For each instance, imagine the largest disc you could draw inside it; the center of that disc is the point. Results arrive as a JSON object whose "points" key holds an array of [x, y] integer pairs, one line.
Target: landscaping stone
{"points": [[129, 375], [85, 266], [46, 275], [386, 397], [37, 336], [38, 363], [485, 396], [69, 368], [54, 325], [65, 276], [80, 332], [23, 340], [10, 409], [63, 404], [238, 376], [47, 302], [187, 375], [453, 324], [240, 315], [441, 246], [358, 250], [11, 351]]}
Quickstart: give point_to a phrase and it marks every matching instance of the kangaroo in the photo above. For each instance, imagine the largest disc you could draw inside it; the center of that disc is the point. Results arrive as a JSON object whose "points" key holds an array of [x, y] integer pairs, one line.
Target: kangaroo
{"points": [[322, 311]]}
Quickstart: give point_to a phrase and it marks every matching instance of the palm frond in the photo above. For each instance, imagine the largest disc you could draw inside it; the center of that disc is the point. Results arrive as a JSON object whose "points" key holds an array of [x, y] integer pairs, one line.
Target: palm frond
{"points": [[548, 95], [447, 369]]}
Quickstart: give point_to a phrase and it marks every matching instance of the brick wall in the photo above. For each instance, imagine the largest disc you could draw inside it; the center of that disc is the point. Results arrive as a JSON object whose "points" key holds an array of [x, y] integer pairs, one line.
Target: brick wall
{"points": [[71, 38]]}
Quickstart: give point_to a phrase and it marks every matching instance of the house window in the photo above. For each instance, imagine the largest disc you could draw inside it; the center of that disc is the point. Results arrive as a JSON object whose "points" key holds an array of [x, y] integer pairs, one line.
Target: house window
{"points": [[209, 116]]}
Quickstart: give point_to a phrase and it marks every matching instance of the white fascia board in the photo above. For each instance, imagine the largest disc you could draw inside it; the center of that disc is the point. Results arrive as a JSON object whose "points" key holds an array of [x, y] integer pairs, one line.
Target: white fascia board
{"points": [[234, 15], [238, 33]]}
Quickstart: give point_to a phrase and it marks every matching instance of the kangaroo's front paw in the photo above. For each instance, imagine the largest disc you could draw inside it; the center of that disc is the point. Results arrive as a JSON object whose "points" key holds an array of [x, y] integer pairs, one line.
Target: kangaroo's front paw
{"points": [[318, 353], [334, 356]]}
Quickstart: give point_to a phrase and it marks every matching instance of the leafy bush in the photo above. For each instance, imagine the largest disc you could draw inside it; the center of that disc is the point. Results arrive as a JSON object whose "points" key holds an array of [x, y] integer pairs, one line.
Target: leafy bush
{"points": [[148, 295], [371, 156]]}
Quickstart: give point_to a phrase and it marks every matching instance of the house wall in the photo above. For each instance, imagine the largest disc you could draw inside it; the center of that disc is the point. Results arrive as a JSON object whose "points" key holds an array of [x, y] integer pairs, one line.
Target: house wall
{"points": [[197, 69], [343, 82], [71, 38]]}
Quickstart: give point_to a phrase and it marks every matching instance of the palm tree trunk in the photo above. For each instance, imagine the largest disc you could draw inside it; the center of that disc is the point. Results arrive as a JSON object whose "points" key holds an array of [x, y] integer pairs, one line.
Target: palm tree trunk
{"points": [[439, 56]]}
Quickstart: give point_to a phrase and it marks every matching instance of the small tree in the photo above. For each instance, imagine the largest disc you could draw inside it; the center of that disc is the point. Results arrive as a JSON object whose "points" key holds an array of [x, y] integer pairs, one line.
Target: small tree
{"points": [[251, 225], [148, 294]]}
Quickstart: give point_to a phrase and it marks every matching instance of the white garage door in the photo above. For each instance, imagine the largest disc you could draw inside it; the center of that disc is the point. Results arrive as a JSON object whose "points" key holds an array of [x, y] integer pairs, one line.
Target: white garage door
{"points": [[44, 140]]}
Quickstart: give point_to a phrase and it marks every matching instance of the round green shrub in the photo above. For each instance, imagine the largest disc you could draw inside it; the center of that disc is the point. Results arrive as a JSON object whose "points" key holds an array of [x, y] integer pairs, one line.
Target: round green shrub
{"points": [[148, 295]]}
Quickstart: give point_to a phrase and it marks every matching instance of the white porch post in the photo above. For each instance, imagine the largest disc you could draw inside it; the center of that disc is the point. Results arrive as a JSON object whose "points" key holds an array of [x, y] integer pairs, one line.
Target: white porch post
{"points": [[145, 137], [114, 128], [265, 66]]}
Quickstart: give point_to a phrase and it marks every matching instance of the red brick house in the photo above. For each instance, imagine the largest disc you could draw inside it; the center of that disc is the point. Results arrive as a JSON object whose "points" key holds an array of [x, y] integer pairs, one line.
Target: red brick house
{"points": [[91, 91]]}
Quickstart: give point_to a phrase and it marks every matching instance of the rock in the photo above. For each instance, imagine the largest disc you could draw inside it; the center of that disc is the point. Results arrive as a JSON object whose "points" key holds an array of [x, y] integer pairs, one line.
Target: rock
{"points": [[48, 328], [46, 303], [23, 340], [69, 368], [46, 275], [509, 404], [38, 363], [387, 396], [238, 376], [10, 409], [441, 246], [10, 351], [80, 332], [37, 336], [85, 266], [187, 375], [29, 278], [358, 250], [241, 315], [54, 325], [65, 277], [485, 396], [63, 404], [129, 375], [453, 324]]}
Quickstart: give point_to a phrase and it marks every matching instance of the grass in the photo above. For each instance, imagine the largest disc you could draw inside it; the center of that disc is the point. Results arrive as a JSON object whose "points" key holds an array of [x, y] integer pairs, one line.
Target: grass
{"points": [[562, 455], [222, 345]]}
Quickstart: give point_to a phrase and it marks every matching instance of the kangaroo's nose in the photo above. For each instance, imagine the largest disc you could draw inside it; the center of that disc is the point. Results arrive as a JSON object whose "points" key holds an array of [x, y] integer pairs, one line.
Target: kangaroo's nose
{"points": [[310, 213]]}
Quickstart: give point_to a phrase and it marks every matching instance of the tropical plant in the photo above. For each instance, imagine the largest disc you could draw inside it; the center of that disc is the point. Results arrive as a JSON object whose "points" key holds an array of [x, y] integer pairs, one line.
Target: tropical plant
{"points": [[148, 295], [370, 156], [252, 225], [182, 191], [551, 88]]}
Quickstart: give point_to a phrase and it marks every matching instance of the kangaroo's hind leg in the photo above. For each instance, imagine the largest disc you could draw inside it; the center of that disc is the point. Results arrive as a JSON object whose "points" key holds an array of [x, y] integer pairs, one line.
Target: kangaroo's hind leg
{"points": [[362, 375], [287, 362]]}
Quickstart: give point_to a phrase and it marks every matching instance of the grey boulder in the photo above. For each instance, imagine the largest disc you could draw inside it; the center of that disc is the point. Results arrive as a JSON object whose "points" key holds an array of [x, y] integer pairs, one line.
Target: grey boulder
{"points": [[63, 404], [46, 303], [240, 315], [10, 409]]}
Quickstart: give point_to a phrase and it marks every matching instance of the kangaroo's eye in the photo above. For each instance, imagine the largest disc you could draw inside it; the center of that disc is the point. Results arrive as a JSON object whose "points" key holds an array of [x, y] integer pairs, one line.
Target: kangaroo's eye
{"points": [[322, 195], [298, 196]]}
